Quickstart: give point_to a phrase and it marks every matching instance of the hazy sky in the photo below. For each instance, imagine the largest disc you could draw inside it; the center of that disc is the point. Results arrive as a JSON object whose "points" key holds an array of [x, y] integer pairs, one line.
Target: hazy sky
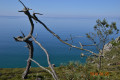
{"points": [[63, 8]]}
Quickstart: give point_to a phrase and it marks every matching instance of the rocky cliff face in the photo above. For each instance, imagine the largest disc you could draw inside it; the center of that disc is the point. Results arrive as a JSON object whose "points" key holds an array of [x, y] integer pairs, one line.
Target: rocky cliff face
{"points": [[111, 44], [108, 47], [117, 40]]}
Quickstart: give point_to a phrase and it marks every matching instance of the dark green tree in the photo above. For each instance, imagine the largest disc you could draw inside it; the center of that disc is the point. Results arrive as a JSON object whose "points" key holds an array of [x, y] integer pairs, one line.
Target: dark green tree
{"points": [[101, 35]]}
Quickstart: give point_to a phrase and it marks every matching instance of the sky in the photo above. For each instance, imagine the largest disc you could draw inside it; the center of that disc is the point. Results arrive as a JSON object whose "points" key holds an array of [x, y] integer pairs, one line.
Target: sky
{"points": [[63, 8]]}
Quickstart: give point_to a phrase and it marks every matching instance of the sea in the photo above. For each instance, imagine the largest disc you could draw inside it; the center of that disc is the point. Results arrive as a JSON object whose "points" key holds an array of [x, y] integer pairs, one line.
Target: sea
{"points": [[14, 54]]}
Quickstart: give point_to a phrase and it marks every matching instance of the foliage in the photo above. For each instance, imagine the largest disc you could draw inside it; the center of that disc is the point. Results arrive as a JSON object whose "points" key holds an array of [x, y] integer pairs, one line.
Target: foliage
{"points": [[101, 36], [72, 71], [114, 43], [102, 33], [110, 62]]}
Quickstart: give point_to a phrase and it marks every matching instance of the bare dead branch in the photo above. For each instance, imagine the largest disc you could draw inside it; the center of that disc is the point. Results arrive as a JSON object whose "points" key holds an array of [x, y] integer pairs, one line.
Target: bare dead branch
{"points": [[42, 67], [73, 38], [26, 11], [36, 35], [37, 13], [48, 59], [22, 4], [81, 45], [31, 49], [90, 45], [30, 44], [22, 33], [60, 38]]}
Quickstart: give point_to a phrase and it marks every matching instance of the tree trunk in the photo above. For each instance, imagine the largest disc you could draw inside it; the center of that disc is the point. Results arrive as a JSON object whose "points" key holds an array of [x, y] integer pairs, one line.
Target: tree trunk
{"points": [[100, 58], [30, 47], [99, 63]]}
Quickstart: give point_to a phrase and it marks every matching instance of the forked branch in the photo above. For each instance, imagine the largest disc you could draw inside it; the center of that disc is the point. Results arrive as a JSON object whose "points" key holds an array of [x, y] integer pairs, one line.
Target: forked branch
{"points": [[73, 46], [42, 67], [30, 45], [48, 59]]}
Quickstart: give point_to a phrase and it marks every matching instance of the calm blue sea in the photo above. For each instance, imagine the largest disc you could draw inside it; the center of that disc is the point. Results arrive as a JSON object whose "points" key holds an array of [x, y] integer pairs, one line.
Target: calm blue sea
{"points": [[14, 54]]}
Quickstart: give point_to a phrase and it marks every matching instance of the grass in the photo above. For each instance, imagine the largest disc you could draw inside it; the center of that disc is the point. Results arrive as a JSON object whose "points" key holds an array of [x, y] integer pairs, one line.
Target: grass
{"points": [[72, 71]]}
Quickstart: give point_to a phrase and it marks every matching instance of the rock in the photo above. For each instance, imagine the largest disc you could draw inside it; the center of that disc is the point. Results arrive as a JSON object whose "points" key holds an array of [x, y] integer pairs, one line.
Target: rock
{"points": [[108, 46], [53, 65], [38, 79], [113, 56], [108, 64], [93, 62], [117, 39], [82, 55]]}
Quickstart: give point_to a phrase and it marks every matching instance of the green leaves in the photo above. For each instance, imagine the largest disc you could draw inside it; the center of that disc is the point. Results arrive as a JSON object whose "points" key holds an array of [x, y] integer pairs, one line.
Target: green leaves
{"points": [[114, 27], [88, 36], [95, 27], [104, 22], [110, 31], [103, 28], [107, 25], [102, 31]]}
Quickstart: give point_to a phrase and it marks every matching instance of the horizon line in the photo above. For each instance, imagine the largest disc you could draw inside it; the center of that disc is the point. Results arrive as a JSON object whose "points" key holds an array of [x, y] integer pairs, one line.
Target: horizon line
{"points": [[66, 16]]}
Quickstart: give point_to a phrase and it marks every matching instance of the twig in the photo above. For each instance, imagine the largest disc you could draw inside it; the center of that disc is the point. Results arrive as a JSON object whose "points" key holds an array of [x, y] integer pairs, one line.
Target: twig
{"points": [[89, 45], [81, 45], [36, 35], [22, 33]]}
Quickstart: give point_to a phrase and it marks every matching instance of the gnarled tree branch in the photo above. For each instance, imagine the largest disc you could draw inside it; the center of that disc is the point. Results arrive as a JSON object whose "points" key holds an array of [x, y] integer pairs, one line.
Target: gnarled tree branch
{"points": [[30, 45], [73, 46], [42, 67], [48, 59]]}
